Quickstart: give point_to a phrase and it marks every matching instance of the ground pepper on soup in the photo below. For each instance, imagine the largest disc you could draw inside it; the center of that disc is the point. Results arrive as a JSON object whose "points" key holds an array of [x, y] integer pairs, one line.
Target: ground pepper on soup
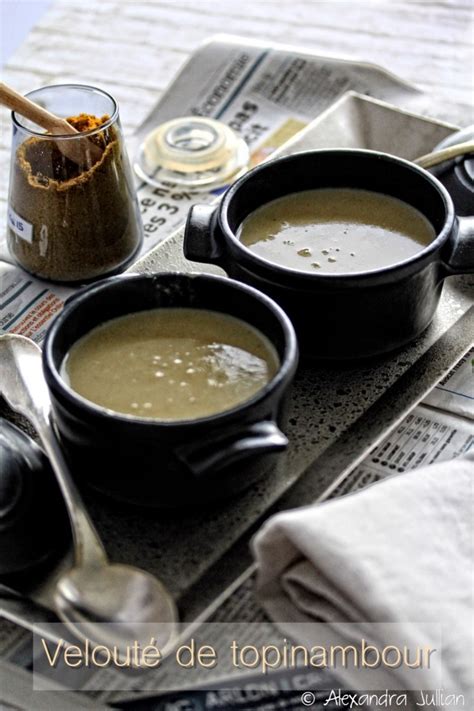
{"points": [[336, 230], [171, 363]]}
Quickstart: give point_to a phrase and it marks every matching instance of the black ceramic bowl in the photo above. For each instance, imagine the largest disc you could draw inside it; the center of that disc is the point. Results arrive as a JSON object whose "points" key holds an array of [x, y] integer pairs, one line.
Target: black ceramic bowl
{"points": [[160, 463], [348, 315], [34, 527]]}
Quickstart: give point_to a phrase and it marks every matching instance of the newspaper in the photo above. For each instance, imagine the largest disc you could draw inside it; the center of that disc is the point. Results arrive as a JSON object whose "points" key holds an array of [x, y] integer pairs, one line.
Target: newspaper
{"points": [[456, 392], [266, 93]]}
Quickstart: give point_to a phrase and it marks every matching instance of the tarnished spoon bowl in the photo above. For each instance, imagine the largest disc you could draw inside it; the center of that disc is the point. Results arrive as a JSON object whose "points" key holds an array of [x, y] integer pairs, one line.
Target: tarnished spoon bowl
{"points": [[109, 603]]}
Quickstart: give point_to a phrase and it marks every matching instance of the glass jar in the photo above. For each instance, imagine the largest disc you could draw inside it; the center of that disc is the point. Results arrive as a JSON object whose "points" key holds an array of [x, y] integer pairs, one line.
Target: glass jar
{"points": [[73, 213]]}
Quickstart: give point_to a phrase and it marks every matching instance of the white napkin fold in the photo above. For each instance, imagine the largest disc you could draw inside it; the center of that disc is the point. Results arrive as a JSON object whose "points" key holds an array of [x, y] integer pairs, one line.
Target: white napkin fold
{"points": [[399, 551]]}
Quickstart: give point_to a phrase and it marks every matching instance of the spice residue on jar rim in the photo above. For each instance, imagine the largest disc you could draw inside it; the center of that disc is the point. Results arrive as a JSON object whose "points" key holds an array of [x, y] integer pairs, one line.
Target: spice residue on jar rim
{"points": [[45, 164]]}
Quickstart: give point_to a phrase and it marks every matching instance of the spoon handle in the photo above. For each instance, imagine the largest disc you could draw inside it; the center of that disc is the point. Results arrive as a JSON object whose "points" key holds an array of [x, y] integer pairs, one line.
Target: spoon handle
{"points": [[458, 149], [82, 151], [35, 113], [25, 389], [88, 548]]}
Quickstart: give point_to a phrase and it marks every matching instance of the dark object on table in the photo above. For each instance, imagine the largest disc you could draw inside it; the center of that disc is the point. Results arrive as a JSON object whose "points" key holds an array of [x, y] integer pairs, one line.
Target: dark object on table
{"points": [[457, 175], [340, 316], [170, 463], [33, 524]]}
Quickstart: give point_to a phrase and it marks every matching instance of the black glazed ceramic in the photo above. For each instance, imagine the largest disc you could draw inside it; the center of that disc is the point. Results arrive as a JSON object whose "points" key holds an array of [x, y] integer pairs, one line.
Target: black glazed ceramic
{"points": [[457, 175], [349, 315], [159, 463], [33, 523]]}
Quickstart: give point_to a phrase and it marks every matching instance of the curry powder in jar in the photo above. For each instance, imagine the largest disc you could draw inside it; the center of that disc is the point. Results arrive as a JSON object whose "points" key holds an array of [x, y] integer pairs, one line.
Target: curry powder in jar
{"points": [[82, 220]]}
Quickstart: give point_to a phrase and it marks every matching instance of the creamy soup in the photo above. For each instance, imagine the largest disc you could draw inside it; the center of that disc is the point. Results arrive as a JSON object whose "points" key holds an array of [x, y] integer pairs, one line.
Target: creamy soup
{"points": [[170, 363], [336, 230]]}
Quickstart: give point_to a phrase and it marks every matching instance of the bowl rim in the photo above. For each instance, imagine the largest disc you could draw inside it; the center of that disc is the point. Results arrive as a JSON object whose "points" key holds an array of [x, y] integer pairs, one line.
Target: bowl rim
{"points": [[284, 374], [343, 278]]}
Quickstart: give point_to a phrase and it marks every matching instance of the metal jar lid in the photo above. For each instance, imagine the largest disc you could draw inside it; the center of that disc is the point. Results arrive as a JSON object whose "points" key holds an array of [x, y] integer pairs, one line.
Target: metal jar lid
{"points": [[195, 152]]}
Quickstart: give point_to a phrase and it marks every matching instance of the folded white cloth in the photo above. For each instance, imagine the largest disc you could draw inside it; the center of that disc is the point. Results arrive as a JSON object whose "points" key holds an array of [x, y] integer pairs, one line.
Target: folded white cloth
{"points": [[399, 551]]}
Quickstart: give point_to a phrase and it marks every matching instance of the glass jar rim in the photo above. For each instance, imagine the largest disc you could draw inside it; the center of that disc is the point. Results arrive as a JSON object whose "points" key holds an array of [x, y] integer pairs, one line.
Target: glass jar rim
{"points": [[68, 136]]}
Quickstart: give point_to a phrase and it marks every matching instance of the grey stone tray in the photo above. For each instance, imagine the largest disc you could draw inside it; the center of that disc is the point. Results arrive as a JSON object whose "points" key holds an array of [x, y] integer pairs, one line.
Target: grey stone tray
{"points": [[338, 413]]}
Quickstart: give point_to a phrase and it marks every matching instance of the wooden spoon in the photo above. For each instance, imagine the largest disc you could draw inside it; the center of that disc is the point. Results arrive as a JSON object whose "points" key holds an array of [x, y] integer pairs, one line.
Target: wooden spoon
{"points": [[84, 152]]}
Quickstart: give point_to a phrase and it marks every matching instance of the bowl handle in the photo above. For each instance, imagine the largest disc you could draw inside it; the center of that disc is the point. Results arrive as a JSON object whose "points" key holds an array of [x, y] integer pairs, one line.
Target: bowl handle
{"points": [[203, 241], [211, 455], [461, 258]]}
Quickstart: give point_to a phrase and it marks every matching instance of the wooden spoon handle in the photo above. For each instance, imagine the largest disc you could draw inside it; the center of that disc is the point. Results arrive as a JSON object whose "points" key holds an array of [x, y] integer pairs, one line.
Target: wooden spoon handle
{"points": [[51, 123], [83, 152]]}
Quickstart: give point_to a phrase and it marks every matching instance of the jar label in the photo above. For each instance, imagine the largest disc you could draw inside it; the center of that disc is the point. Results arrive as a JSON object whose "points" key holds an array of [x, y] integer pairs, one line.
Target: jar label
{"points": [[20, 227]]}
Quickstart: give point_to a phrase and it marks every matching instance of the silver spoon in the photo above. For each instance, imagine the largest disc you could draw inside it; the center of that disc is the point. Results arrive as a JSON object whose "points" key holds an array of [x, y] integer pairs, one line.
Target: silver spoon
{"points": [[105, 602]]}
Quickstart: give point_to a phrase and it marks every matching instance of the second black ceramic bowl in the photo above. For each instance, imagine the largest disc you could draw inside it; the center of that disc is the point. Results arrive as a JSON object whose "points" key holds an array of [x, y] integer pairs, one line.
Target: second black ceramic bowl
{"points": [[349, 315], [160, 463]]}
